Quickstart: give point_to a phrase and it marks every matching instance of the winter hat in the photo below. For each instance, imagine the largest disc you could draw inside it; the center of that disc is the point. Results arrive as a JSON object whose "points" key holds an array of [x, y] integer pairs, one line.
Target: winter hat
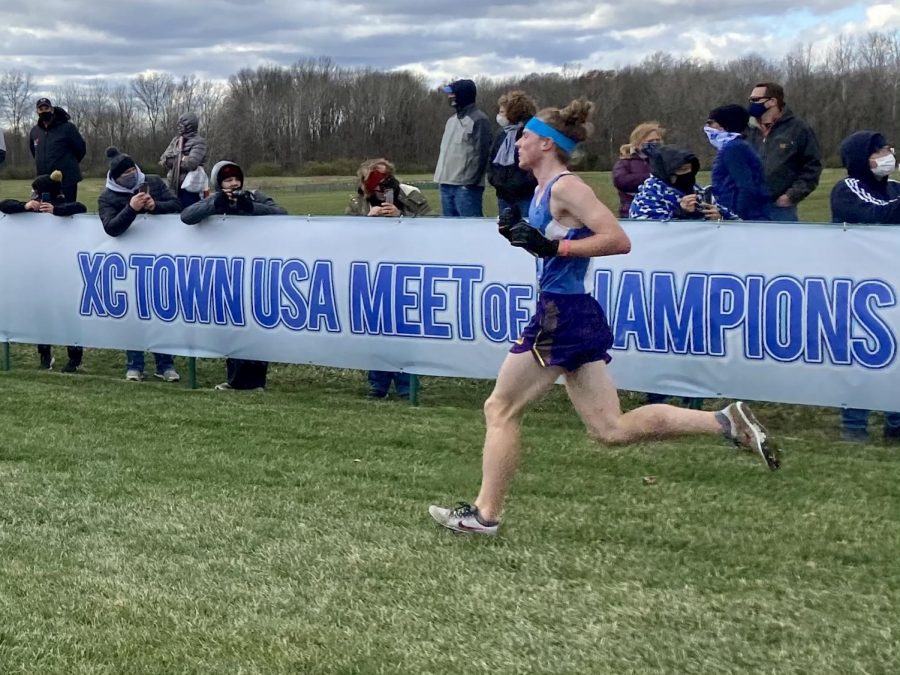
{"points": [[229, 171], [49, 183], [464, 90], [119, 162], [731, 117], [43, 102]]}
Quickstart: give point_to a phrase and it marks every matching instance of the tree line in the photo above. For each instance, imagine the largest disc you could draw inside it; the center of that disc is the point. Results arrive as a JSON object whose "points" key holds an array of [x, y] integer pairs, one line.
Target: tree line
{"points": [[317, 117]]}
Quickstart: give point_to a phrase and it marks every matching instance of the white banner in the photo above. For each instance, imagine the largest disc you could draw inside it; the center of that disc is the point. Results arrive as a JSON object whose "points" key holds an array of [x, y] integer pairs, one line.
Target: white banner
{"points": [[798, 313]]}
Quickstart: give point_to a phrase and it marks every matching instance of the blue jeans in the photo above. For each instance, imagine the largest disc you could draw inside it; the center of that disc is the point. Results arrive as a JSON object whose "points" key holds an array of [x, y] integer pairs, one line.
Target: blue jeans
{"points": [[380, 383], [857, 419], [523, 204], [134, 360], [784, 214], [462, 201]]}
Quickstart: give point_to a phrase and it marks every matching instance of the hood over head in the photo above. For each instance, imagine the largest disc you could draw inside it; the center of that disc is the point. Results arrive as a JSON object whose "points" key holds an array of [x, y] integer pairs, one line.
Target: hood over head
{"points": [[464, 90], [855, 151], [668, 158], [223, 170]]}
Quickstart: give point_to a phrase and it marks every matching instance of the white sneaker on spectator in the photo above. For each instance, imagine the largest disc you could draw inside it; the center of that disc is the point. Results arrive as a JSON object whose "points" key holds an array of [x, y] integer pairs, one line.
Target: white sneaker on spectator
{"points": [[169, 375], [134, 375], [223, 387]]}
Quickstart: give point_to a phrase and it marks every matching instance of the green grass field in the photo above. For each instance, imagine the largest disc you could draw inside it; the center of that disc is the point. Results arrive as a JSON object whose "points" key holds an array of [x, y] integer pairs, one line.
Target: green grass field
{"points": [[151, 528]]}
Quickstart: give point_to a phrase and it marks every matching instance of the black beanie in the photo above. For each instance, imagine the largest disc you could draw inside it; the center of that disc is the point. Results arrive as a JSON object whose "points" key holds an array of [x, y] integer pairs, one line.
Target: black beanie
{"points": [[119, 162], [730, 117], [49, 183]]}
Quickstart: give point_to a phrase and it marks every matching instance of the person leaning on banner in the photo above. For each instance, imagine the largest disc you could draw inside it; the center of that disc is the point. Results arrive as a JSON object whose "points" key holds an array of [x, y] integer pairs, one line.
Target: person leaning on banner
{"points": [[128, 193], [867, 196], [671, 193], [230, 199], [381, 194], [56, 144], [47, 197], [185, 161]]}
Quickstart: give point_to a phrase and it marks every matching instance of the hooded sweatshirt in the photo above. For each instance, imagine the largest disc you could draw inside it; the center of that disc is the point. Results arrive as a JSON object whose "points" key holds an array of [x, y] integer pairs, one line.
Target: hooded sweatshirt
{"points": [[251, 202], [657, 198], [466, 144], [114, 203], [862, 197]]}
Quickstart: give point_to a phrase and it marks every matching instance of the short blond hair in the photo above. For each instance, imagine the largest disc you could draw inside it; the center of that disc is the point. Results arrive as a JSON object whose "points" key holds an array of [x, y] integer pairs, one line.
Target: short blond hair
{"points": [[638, 134]]}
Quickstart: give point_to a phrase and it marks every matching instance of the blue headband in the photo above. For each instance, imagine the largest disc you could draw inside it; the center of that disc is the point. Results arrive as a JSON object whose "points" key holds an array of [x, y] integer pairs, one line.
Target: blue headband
{"points": [[541, 128]]}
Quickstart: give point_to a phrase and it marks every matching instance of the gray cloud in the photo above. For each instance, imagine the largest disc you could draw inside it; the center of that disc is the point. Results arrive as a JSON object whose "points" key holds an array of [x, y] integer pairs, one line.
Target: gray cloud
{"points": [[78, 40]]}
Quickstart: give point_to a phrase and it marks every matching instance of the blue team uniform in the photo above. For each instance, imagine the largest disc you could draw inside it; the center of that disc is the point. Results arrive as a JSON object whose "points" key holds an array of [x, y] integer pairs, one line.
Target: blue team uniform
{"points": [[569, 327]]}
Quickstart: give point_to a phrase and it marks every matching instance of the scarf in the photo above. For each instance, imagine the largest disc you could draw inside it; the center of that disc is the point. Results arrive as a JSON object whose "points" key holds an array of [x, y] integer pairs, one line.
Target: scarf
{"points": [[506, 153]]}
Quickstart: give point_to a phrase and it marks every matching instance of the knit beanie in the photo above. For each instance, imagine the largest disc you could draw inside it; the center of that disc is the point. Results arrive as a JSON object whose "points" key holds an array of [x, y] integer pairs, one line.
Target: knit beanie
{"points": [[730, 117], [229, 171], [119, 162], [49, 183]]}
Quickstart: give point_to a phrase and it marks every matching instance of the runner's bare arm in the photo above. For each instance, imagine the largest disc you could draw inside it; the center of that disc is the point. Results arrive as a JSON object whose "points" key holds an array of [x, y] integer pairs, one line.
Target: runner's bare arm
{"points": [[572, 203]]}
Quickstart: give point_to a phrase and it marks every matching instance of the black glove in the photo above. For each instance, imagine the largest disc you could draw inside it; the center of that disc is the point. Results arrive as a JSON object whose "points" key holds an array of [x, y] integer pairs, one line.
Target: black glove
{"points": [[220, 203], [244, 203], [525, 236], [510, 216]]}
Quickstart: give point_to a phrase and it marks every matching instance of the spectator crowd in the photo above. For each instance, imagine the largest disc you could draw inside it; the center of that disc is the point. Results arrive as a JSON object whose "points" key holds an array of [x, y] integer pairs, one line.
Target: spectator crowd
{"points": [[767, 162]]}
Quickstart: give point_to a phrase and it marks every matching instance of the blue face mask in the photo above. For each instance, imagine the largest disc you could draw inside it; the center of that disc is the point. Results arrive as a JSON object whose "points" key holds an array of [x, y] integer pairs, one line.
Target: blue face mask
{"points": [[756, 109]]}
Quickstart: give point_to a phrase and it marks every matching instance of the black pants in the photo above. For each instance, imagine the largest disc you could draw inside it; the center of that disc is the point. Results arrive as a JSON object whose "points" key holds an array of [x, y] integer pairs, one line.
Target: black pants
{"points": [[244, 374], [70, 190], [75, 353]]}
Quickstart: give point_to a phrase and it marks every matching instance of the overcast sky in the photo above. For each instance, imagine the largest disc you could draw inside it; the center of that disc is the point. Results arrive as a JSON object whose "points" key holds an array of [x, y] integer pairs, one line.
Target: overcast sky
{"points": [[77, 40]]}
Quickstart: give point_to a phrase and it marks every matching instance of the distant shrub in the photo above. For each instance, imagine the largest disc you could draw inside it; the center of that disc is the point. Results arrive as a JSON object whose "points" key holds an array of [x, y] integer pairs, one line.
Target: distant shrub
{"points": [[344, 166], [265, 169]]}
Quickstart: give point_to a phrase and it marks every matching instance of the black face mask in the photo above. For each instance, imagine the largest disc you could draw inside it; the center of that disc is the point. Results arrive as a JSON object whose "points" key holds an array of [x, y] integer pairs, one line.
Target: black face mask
{"points": [[45, 116], [684, 183]]}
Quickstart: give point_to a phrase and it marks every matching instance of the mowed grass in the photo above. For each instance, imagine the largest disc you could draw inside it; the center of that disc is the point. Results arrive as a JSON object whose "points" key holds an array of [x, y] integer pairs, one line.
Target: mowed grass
{"points": [[154, 528]]}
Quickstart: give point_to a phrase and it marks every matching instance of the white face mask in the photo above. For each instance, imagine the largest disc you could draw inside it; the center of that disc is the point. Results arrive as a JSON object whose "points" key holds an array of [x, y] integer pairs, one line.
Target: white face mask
{"points": [[502, 121], [885, 166]]}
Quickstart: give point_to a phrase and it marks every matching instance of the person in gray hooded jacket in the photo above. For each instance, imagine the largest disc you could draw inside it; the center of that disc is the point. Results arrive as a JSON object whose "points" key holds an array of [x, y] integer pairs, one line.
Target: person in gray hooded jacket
{"points": [[230, 198], [186, 152], [465, 151]]}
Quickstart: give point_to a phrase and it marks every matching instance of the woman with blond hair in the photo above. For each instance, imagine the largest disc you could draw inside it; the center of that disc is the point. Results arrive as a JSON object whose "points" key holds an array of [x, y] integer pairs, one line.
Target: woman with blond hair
{"points": [[633, 165], [514, 186]]}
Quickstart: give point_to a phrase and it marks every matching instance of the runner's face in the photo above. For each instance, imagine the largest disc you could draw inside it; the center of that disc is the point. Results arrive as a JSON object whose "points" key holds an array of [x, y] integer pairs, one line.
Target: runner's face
{"points": [[530, 147]]}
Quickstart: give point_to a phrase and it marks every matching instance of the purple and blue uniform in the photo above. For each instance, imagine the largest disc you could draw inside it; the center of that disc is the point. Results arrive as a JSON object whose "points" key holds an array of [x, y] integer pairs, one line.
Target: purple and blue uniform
{"points": [[569, 327]]}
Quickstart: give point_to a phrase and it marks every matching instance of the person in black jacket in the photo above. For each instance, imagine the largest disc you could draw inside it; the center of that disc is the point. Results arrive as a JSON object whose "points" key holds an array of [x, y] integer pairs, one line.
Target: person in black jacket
{"points": [[47, 197], [128, 193], [56, 144], [514, 186], [867, 196], [230, 199], [788, 149]]}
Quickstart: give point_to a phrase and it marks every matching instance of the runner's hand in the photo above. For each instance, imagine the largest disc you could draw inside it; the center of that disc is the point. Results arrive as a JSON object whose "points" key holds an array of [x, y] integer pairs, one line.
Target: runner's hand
{"points": [[510, 216], [525, 236]]}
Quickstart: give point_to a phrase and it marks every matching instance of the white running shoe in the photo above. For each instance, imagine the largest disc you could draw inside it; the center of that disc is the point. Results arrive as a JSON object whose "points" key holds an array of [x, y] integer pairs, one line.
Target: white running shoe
{"points": [[134, 375], [462, 518], [746, 432]]}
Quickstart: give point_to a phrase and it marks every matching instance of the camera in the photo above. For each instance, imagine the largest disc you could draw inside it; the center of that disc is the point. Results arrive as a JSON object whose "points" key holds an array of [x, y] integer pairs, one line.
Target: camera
{"points": [[705, 196], [45, 196], [144, 187]]}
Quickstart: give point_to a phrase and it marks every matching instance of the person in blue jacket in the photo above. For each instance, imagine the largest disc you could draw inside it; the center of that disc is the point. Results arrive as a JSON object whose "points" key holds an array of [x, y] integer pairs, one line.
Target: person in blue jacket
{"points": [[867, 196], [738, 179]]}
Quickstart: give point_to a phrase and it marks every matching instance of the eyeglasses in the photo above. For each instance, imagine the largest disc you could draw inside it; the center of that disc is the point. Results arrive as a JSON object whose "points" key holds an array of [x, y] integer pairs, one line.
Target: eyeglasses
{"points": [[759, 99]]}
